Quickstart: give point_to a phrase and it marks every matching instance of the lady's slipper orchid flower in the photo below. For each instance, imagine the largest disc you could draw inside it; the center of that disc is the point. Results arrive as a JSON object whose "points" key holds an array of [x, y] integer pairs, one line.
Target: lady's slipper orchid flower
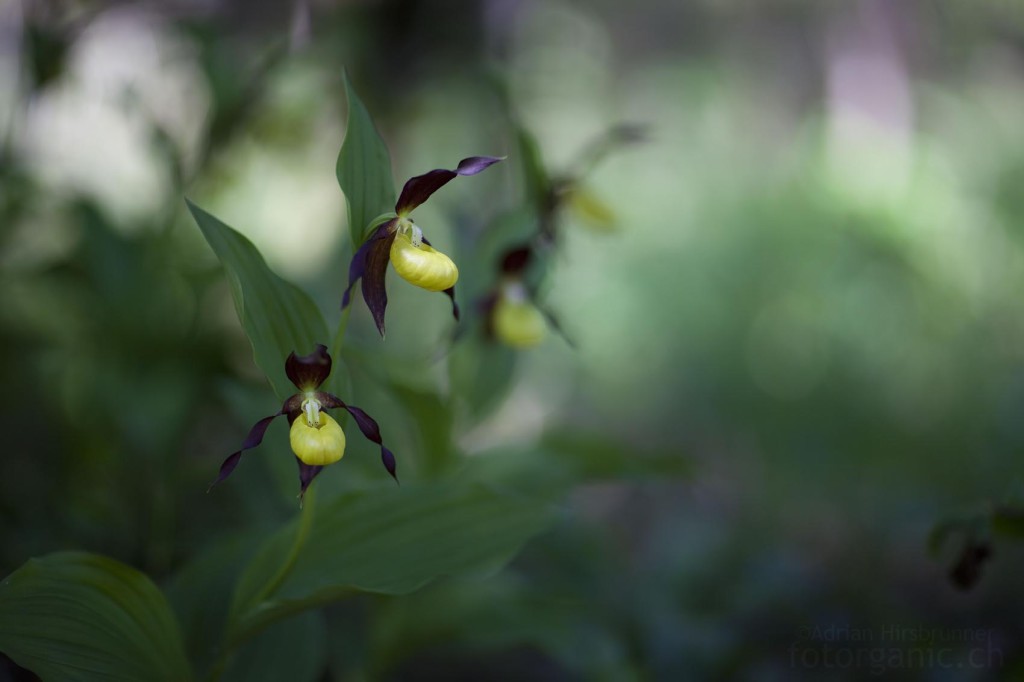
{"points": [[515, 320], [316, 439], [512, 314], [401, 242]]}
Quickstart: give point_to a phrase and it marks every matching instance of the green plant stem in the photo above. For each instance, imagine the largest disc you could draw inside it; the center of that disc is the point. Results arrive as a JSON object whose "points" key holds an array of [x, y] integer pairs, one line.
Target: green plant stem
{"points": [[305, 523], [236, 639]]}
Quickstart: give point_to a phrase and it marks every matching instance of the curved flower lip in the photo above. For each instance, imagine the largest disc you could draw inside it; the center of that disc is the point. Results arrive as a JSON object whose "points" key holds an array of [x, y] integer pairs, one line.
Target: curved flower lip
{"points": [[308, 372], [370, 262]]}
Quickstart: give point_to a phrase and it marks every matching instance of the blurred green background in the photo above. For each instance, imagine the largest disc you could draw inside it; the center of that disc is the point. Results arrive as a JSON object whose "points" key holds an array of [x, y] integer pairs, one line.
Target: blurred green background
{"points": [[800, 349]]}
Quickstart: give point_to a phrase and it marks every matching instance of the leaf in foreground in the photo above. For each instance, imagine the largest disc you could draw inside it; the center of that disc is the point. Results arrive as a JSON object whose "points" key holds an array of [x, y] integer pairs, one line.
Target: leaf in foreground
{"points": [[392, 542], [79, 616]]}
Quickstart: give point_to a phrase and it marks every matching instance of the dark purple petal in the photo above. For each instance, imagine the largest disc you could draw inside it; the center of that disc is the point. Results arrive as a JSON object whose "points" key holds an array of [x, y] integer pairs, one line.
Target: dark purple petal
{"points": [[293, 407], [374, 293], [515, 260], [307, 372], [388, 458], [226, 468], [476, 164], [357, 268], [555, 324], [307, 472], [254, 438], [418, 189], [450, 293], [366, 424], [371, 430]]}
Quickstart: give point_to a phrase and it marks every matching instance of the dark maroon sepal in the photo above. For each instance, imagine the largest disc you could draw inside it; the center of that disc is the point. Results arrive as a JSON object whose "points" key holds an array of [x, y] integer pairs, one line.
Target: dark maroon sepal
{"points": [[226, 468], [293, 407], [388, 458], [418, 189], [516, 259], [371, 430], [556, 325], [254, 438], [450, 293], [367, 256], [374, 293], [307, 472], [307, 372]]}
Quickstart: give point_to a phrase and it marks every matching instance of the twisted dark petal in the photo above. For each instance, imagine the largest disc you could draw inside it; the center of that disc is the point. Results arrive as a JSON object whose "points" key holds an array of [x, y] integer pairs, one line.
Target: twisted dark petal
{"points": [[418, 189], [556, 325], [307, 472], [254, 438], [388, 458], [552, 320], [357, 268], [374, 293], [307, 372], [366, 424], [450, 293], [371, 430]]}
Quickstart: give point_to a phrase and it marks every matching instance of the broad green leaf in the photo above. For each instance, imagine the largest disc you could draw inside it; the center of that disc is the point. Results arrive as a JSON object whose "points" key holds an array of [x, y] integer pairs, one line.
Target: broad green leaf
{"points": [[363, 169], [481, 373], [294, 649], [433, 415], [79, 616], [390, 540], [278, 317], [200, 594]]}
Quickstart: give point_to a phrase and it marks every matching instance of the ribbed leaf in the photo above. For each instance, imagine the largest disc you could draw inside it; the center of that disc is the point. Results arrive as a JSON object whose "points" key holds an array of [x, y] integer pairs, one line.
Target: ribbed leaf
{"points": [[294, 650], [363, 169], [278, 317], [391, 541], [78, 616]]}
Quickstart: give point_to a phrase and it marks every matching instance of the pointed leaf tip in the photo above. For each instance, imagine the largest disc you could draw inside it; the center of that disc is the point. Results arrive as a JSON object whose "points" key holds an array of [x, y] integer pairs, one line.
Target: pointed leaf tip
{"points": [[363, 168]]}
